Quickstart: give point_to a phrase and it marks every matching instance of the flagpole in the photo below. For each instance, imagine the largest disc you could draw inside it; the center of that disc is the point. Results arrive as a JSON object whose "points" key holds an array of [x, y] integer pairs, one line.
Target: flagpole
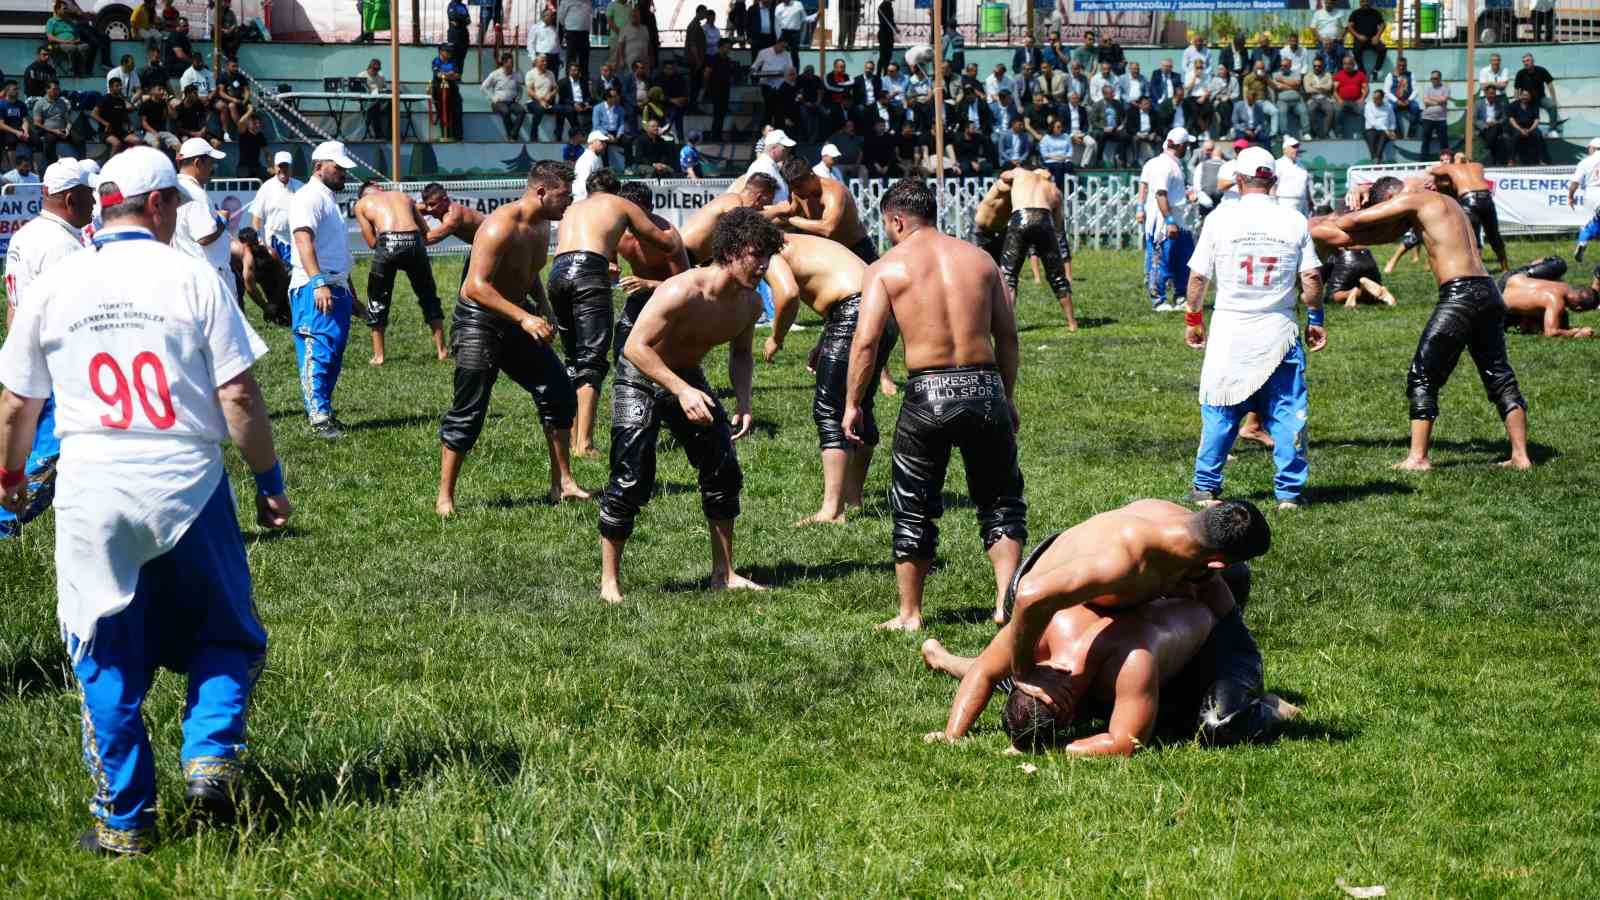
{"points": [[394, 90], [938, 104], [1472, 73]]}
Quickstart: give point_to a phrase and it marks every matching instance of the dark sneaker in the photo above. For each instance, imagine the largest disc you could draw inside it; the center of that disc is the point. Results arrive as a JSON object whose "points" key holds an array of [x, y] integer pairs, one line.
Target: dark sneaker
{"points": [[327, 429], [211, 799], [111, 842], [1577, 255], [1201, 498]]}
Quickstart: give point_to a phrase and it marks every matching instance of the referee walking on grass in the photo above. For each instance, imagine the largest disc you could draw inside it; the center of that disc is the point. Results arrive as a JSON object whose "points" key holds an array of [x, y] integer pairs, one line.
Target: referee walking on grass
{"points": [[1259, 253], [150, 374], [320, 301]]}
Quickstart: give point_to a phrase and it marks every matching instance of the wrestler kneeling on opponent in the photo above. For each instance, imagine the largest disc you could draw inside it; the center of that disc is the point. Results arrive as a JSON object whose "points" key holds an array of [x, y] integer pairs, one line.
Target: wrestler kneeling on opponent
{"points": [[1178, 666]]}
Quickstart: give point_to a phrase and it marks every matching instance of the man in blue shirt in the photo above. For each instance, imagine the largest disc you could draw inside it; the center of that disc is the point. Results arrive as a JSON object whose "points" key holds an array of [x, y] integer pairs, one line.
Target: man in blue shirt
{"points": [[447, 93], [689, 160], [1016, 146]]}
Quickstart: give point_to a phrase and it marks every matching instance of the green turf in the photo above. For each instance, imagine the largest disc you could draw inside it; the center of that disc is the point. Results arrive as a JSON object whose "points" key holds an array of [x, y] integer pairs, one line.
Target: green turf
{"points": [[448, 710]]}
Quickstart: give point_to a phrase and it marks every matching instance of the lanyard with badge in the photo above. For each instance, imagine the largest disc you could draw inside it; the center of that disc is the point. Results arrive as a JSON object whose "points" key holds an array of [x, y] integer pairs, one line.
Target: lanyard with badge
{"points": [[101, 239]]}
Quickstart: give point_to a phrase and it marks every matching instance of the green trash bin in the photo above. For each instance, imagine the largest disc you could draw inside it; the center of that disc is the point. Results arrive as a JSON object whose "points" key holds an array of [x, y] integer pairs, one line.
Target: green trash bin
{"points": [[992, 18], [1428, 20]]}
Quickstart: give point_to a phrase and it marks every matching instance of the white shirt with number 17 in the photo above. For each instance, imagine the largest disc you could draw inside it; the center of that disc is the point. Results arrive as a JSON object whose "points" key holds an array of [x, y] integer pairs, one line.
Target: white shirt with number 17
{"points": [[134, 338], [1254, 250]]}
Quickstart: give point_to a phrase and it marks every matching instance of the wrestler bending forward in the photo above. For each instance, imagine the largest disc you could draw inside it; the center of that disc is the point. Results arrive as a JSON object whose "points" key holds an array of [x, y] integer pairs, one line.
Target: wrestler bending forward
{"points": [[1036, 227], [392, 226], [961, 347], [827, 276], [1178, 665], [659, 381]]}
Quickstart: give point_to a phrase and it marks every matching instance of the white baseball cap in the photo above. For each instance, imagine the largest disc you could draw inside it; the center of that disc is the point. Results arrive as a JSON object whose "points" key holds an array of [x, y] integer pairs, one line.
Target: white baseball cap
{"points": [[137, 171], [63, 175], [197, 147], [282, 158], [333, 151], [1178, 135], [1255, 161], [89, 166], [598, 135], [831, 150], [1290, 140], [776, 136], [1594, 142]]}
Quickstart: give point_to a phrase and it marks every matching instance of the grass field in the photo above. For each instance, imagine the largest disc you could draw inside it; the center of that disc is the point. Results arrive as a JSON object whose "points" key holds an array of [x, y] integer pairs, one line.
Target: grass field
{"points": [[448, 710]]}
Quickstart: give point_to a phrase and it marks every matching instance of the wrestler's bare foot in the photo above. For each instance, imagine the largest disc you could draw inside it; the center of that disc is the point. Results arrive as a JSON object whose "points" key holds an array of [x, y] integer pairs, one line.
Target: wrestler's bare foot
{"points": [[938, 659], [445, 506], [610, 592], [934, 737], [1413, 464], [733, 581], [375, 361], [587, 452], [1350, 304], [568, 491], [442, 353], [900, 623], [820, 517], [1072, 325], [1521, 463], [886, 385], [1259, 435], [999, 617], [1283, 708]]}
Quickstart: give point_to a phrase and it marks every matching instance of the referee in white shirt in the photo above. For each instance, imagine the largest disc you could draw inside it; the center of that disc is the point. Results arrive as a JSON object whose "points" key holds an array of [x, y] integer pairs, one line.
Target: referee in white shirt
{"points": [[1294, 182], [269, 210], [151, 375], [1260, 253], [320, 299]]}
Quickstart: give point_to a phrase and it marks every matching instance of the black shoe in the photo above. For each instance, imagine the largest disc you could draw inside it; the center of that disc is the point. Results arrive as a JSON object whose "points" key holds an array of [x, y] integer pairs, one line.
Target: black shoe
{"points": [[212, 799], [1577, 255], [1201, 498], [326, 429], [90, 841]]}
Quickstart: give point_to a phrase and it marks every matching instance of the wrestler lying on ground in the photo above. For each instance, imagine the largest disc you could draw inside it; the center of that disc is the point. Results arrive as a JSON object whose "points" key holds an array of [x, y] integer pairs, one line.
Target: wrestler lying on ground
{"points": [[393, 228], [580, 288], [1125, 557], [1176, 665], [1349, 274], [827, 277], [1469, 315], [1538, 301]]}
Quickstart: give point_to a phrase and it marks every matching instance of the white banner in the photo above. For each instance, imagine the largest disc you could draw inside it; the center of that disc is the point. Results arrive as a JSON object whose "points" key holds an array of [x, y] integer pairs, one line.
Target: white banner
{"points": [[16, 210], [1529, 200]]}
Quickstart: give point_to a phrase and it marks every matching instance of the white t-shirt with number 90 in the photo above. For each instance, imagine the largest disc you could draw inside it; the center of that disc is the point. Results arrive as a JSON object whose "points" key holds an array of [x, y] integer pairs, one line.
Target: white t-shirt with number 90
{"points": [[134, 338]]}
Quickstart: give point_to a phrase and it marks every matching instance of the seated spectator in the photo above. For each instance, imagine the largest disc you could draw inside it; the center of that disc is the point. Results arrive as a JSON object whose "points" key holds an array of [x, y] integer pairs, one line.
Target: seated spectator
{"points": [[1111, 52], [21, 171], [233, 99], [848, 142], [1489, 119], [1102, 78], [377, 111], [61, 34], [144, 20], [1329, 27], [1196, 52], [611, 119], [231, 36], [1259, 80], [1055, 151], [574, 148], [574, 104], [152, 73], [1365, 27], [1079, 126], [837, 88], [539, 86], [1350, 89], [1264, 53], [446, 91], [1527, 139], [1132, 85], [690, 162], [176, 50], [1106, 119], [1539, 84], [1435, 114], [1379, 120], [1322, 110], [974, 109], [155, 119], [808, 100], [15, 135], [1051, 83], [544, 39], [878, 152], [1197, 106], [655, 105], [252, 147], [652, 156], [1039, 115], [1299, 58], [1399, 87], [52, 125], [675, 89], [132, 86], [913, 152], [37, 76], [1495, 74], [1224, 89], [1088, 55], [1077, 81], [1166, 90], [1028, 54], [974, 151], [1250, 120], [897, 84], [1236, 56], [503, 87], [1016, 146], [192, 117], [1292, 115], [111, 114], [1145, 131], [1003, 109]]}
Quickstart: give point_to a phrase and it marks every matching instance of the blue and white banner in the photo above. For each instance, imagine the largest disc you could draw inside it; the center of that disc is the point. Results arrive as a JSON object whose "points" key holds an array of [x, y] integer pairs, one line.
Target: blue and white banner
{"points": [[1529, 199]]}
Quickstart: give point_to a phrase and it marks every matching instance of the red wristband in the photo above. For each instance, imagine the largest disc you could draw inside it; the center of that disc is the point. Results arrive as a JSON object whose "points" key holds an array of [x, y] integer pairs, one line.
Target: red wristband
{"points": [[1194, 319], [10, 479]]}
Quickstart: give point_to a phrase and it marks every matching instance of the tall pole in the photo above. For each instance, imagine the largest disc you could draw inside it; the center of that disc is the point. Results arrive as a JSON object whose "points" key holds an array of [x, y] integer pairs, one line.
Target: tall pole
{"points": [[416, 22], [216, 41], [1472, 73], [394, 89], [822, 34], [938, 105]]}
